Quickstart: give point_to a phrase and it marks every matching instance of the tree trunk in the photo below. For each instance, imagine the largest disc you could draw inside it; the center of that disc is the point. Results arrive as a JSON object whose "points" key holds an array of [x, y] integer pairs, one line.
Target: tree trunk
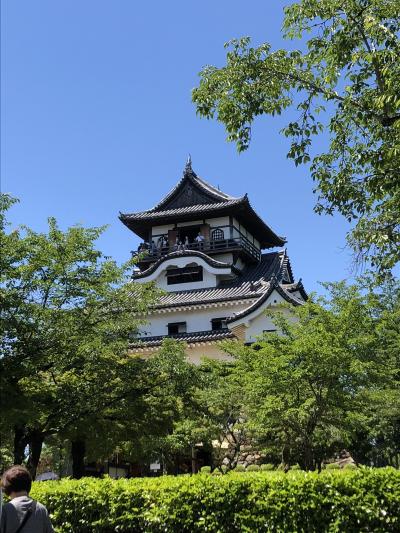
{"points": [[308, 456], [78, 450], [193, 460], [285, 458], [36, 440], [20, 443]]}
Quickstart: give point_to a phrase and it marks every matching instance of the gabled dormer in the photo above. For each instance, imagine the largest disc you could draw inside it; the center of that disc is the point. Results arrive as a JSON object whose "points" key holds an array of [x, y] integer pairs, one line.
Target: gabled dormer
{"points": [[192, 191]]}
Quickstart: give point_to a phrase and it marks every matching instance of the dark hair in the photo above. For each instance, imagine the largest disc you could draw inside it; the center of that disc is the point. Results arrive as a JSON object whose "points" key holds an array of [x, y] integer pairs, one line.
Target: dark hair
{"points": [[16, 479]]}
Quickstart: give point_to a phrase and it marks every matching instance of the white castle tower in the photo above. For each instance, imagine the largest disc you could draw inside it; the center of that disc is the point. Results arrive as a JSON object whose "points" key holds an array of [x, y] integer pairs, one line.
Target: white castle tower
{"points": [[205, 249]]}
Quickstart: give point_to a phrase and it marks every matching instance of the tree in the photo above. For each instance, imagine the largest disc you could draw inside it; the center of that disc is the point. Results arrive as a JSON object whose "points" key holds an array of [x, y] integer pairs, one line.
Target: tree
{"points": [[375, 437], [177, 422], [67, 316], [306, 389], [345, 82]]}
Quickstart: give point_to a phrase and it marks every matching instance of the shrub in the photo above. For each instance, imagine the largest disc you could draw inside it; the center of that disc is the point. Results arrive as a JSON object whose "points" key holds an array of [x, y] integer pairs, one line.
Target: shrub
{"points": [[267, 467], [354, 500], [332, 466], [253, 468], [205, 469], [350, 466], [240, 468], [295, 467]]}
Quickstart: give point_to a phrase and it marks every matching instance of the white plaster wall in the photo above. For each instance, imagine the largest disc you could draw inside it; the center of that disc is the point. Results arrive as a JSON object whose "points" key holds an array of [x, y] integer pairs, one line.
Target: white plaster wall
{"points": [[258, 324], [190, 223], [196, 320], [196, 353], [161, 230], [224, 258], [218, 221]]}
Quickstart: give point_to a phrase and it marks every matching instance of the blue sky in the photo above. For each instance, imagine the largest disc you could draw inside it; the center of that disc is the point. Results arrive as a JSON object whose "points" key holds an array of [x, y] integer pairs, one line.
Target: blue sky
{"points": [[97, 118]]}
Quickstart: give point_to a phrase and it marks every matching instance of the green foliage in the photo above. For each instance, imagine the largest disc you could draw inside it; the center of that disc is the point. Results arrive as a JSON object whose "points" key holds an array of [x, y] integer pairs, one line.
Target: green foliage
{"points": [[332, 466], [68, 314], [350, 466], [268, 467], [240, 468], [307, 391], [205, 469], [344, 83], [295, 467], [253, 468], [366, 500]]}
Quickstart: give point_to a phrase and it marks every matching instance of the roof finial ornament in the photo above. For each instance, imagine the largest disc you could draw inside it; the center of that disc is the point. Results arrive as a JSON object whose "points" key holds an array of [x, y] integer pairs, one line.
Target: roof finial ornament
{"points": [[188, 166]]}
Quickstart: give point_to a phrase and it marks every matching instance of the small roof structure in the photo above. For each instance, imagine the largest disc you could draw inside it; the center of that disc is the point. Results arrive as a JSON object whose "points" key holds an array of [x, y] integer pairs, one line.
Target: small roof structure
{"points": [[193, 198]]}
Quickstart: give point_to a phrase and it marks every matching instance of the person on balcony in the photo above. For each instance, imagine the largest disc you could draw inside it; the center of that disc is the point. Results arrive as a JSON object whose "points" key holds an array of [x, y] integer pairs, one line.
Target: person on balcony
{"points": [[200, 240], [186, 245], [160, 244]]}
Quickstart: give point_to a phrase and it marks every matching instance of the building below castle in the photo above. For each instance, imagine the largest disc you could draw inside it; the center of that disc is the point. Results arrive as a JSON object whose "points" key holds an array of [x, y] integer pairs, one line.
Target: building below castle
{"points": [[220, 265]]}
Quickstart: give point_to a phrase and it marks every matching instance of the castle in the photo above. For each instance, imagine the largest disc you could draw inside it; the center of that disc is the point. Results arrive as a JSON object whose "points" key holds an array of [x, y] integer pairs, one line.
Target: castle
{"points": [[214, 258]]}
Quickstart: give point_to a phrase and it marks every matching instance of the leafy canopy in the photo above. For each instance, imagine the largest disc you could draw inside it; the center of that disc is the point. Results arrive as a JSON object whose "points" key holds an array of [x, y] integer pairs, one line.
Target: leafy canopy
{"points": [[345, 83], [307, 389]]}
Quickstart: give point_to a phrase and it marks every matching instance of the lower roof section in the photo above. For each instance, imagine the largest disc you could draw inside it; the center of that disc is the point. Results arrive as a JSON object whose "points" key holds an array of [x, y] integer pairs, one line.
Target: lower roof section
{"points": [[190, 338]]}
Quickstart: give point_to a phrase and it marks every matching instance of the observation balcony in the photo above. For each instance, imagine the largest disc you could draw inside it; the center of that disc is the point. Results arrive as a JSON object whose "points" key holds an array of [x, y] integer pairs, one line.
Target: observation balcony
{"points": [[238, 244]]}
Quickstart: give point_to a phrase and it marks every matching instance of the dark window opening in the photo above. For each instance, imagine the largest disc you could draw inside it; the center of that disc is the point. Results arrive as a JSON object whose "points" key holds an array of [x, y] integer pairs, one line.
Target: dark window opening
{"points": [[218, 323], [190, 232], [174, 328], [184, 275]]}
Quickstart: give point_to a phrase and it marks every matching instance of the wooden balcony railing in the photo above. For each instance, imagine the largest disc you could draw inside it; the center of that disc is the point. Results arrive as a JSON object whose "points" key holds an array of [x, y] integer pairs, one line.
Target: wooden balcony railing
{"points": [[211, 246]]}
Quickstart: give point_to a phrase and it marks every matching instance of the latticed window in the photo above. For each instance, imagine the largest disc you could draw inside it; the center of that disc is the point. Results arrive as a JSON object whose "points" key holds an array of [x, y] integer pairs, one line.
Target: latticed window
{"points": [[217, 235]]}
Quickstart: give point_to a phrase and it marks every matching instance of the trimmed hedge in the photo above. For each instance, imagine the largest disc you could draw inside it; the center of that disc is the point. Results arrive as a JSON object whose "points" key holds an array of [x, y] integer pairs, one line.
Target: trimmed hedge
{"points": [[337, 501]]}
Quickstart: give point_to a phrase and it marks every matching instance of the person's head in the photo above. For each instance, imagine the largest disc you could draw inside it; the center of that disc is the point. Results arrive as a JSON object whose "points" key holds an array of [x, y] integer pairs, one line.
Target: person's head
{"points": [[16, 479]]}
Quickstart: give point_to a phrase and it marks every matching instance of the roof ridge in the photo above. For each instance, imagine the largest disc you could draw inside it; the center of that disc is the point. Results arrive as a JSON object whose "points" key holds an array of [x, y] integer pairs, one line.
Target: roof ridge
{"points": [[190, 174], [213, 189]]}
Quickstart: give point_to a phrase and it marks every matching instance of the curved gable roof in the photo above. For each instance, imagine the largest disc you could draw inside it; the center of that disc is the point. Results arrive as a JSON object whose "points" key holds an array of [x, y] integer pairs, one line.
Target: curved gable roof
{"points": [[186, 253], [274, 285]]}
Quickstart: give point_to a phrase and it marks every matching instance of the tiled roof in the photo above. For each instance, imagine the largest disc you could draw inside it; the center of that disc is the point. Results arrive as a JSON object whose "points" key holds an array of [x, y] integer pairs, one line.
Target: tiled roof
{"points": [[251, 284], [198, 209], [208, 201], [296, 287], [190, 338], [272, 285]]}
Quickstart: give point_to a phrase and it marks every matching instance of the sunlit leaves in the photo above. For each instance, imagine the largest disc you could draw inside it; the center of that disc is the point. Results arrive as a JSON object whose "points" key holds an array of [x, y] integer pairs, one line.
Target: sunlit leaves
{"points": [[351, 68]]}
